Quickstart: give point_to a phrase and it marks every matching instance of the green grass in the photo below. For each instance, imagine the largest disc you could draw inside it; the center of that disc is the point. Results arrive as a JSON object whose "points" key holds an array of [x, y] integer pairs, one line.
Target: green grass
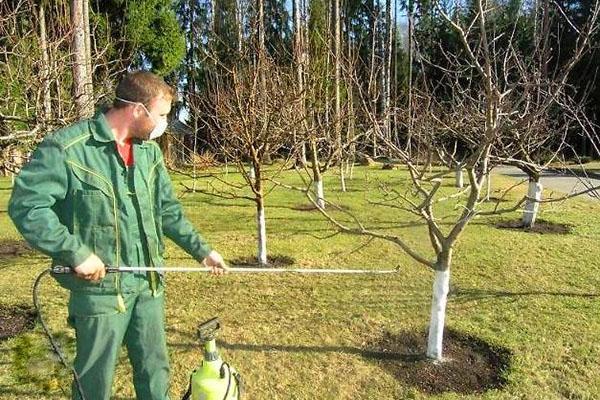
{"points": [[305, 337]]}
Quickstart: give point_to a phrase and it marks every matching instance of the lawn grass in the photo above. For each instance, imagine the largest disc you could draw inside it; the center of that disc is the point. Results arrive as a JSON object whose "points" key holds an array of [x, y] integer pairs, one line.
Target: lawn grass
{"points": [[309, 337]]}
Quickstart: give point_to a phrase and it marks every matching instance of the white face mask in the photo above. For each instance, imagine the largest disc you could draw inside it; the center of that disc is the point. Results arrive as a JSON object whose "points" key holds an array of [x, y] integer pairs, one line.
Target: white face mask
{"points": [[159, 126], [159, 129]]}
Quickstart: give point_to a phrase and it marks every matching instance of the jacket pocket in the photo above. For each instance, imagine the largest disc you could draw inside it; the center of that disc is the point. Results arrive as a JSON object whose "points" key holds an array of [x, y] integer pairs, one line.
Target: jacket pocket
{"points": [[92, 208]]}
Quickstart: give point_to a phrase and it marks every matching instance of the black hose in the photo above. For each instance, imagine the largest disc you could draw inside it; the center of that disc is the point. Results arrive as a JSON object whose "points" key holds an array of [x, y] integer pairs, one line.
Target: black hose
{"points": [[229, 380], [55, 346]]}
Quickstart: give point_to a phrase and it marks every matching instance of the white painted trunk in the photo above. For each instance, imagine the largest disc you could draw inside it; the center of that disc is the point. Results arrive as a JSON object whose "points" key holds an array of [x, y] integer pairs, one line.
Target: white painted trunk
{"points": [[532, 205], [439, 299], [489, 187], [262, 236], [252, 173], [303, 154], [342, 177], [320, 194], [459, 177]]}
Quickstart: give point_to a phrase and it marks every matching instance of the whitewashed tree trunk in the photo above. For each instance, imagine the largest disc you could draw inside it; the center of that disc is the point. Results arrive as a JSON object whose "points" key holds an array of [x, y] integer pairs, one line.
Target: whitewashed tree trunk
{"points": [[320, 194], [317, 177], [303, 154], [489, 186], [252, 173], [441, 285], [532, 205], [459, 176], [262, 233]]}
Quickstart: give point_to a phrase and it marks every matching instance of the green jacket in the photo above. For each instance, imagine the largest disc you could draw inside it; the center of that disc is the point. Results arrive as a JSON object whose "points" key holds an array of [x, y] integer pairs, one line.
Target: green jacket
{"points": [[76, 196]]}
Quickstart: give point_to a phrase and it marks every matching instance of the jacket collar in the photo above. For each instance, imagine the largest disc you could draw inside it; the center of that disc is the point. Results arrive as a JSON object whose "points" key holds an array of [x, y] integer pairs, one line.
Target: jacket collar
{"points": [[102, 132]]}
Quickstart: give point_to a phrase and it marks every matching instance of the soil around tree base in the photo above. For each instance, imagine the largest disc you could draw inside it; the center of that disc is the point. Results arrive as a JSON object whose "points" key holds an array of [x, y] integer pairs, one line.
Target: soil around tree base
{"points": [[14, 248], [470, 364], [15, 320], [541, 226], [273, 261]]}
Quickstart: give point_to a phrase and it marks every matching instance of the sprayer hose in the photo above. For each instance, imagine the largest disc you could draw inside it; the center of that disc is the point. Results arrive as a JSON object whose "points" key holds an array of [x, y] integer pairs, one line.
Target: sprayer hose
{"points": [[55, 346]]}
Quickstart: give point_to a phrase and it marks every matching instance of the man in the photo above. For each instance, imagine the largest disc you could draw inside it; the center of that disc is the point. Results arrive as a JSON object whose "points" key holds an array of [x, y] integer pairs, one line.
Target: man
{"points": [[97, 193]]}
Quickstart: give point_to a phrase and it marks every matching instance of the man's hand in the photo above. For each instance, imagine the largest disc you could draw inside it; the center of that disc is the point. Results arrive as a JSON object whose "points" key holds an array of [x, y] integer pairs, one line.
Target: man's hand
{"points": [[215, 261], [92, 269]]}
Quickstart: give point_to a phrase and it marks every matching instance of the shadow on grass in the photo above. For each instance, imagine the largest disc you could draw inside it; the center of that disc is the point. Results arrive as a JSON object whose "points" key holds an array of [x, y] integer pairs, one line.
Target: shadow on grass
{"points": [[370, 354], [467, 295], [17, 392]]}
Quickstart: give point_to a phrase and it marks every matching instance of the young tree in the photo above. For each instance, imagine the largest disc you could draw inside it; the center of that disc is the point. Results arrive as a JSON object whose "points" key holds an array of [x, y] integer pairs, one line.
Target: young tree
{"points": [[252, 122]]}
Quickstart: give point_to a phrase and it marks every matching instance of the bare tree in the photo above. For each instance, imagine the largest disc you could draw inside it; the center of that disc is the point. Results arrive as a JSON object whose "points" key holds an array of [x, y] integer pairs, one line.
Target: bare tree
{"points": [[489, 100], [251, 125], [36, 64]]}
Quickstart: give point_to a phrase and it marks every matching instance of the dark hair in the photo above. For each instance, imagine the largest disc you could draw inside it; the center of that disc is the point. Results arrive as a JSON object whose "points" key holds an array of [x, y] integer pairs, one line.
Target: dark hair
{"points": [[141, 87]]}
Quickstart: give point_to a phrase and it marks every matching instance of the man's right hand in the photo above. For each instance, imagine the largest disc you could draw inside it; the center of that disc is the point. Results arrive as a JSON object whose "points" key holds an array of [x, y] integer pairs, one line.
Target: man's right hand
{"points": [[92, 269]]}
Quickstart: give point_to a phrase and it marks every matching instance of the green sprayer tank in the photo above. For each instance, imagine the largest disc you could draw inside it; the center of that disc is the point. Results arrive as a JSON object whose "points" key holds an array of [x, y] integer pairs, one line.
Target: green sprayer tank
{"points": [[213, 379]]}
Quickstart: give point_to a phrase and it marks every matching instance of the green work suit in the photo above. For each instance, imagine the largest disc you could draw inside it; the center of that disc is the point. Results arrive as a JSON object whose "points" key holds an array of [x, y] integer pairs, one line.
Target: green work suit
{"points": [[76, 197]]}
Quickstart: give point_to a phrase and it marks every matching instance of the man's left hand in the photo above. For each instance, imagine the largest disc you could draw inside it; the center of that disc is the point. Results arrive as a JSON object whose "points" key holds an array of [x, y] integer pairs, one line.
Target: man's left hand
{"points": [[215, 261]]}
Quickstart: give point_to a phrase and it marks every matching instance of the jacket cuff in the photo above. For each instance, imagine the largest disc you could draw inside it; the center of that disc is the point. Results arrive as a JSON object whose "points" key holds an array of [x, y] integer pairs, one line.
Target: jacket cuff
{"points": [[80, 256], [203, 252]]}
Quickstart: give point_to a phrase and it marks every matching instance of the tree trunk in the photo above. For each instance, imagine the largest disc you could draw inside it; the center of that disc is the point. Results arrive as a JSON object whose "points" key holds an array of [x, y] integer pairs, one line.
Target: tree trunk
{"points": [[489, 186], [326, 74], [350, 139], [317, 178], [532, 205], [45, 70], [320, 194], [459, 176], [81, 89], [410, 72], [88, 44], [299, 56], [338, 112], [261, 33], [261, 224], [239, 21], [441, 285], [372, 75], [262, 232], [387, 69], [395, 53]]}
